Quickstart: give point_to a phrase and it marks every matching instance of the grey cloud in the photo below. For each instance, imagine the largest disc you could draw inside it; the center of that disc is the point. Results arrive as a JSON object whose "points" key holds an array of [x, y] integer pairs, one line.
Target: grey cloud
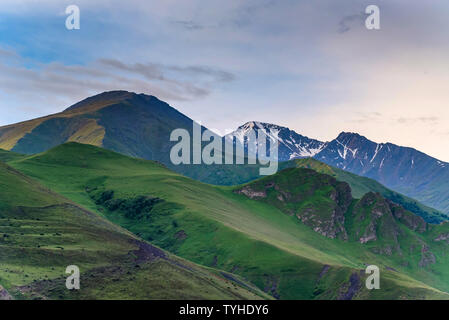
{"points": [[6, 53], [244, 14], [55, 83], [349, 21], [240, 16], [155, 71], [377, 116], [193, 81], [218, 75], [8, 56], [426, 120], [149, 71], [189, 25], [363, 117]]}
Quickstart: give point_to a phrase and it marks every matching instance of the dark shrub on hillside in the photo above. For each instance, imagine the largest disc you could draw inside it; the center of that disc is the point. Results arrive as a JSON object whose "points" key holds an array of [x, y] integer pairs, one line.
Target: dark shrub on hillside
{"points": [[133, 208], [137, 207], [413, 207], [104, 196]]}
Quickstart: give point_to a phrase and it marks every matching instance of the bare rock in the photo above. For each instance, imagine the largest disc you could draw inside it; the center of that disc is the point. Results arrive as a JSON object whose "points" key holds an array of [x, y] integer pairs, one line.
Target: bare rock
{"points": [[250, 193], [427, 257], [4, 295]]}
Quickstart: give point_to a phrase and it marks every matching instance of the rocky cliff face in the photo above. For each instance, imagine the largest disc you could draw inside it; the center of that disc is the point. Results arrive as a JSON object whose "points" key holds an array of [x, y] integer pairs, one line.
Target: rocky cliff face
{"points": [[326, 206], [373, 221], [319, 201]]}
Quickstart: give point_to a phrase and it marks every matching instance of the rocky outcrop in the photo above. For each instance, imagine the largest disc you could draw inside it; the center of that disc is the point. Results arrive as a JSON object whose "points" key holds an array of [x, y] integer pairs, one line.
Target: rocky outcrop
{"points": [[250, 193], [412, 221], [442, 237], [271, 287], [370, 234], [326, 205], [4, 295], [427, 257], [375, 212], [330, 227], [350, 289], [294, 192], [323, 271]]}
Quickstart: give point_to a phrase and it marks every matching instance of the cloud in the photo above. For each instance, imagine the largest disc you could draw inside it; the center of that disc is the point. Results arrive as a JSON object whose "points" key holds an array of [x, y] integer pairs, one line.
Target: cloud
{"points": [[8, 56], [167, 82], [189, 25], [366, 117], [373, 117], [6, 53], [51, 87], [155, 71], [432, 120], [235, 16], [244, 14], [349, 21]]}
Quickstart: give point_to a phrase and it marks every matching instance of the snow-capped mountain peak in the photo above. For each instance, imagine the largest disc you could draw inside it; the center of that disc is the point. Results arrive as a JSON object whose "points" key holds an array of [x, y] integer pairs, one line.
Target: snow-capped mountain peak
{"points": [[291, 144]]}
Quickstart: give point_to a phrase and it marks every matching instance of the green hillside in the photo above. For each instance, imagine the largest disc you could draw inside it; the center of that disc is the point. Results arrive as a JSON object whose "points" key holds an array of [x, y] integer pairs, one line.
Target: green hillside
{"points": [[41, 233], [238, 174], [261, 239], [6, 156], [228, 175], [362, 185]]}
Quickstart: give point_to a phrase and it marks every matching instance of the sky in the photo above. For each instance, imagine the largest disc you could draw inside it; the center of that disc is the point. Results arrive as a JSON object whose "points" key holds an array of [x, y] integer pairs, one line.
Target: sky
{"points": [[311, 66]]}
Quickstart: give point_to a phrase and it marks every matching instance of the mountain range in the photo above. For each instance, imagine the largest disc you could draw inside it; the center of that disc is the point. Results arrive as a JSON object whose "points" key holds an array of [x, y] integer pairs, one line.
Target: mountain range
{"points": [[403, 169], [139, 125], [94, 186]]}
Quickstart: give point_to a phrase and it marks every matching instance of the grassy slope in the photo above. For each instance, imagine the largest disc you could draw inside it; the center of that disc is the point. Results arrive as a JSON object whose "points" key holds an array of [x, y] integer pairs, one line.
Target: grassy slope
{"points": [[86, 131], [41, 233], [6, 156], [91, 132], [216, 227]]}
